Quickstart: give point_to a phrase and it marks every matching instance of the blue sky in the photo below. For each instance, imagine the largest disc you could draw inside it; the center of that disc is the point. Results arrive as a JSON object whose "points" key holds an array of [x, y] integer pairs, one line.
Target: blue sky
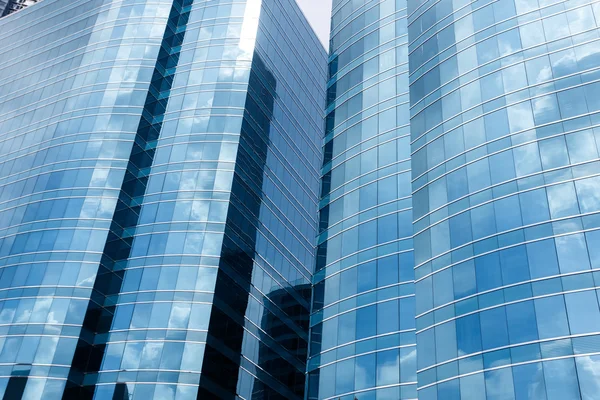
{"points": [[318, 13]]}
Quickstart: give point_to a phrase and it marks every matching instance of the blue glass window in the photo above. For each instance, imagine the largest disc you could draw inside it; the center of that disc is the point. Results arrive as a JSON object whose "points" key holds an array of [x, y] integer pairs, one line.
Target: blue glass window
{"points": [[494, 332], [583, 312], [561, 379], [551, 317]]}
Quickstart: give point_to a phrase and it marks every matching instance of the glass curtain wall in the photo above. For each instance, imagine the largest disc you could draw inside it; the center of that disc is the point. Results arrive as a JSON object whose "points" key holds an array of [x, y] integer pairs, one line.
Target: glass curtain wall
{"points": [[73, 81], [159, 177], [505, 118], [362, 323]]}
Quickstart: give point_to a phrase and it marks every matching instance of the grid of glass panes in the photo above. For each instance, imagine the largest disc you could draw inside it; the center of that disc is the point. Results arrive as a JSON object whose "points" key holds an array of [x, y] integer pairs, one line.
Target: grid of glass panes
{"points": [[163, 315], [293, 74], [159, 331], [505, 144], [73, 80], [362, 326]]}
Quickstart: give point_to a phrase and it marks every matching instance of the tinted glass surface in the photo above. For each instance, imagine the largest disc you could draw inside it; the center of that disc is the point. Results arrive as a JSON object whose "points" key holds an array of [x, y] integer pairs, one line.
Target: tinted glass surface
{"points": [[73, 79], [362, 337], [161, 159], [505, 143]]}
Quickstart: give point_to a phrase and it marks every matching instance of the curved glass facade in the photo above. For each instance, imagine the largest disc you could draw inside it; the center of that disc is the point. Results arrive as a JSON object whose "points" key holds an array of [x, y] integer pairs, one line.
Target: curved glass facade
{"points": [[505, 147], [362, 322], [159, 166], [73, 81]]}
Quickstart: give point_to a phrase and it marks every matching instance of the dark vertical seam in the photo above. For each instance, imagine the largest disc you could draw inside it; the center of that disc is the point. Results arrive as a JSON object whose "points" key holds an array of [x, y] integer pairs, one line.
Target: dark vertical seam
{"points": [[100, 312]]}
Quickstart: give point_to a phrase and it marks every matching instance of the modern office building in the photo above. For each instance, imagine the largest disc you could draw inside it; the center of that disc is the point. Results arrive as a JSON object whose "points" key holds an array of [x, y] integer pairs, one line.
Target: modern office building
{"points": [[505, 110], [159, 178], [159, 201], [362, 322]]}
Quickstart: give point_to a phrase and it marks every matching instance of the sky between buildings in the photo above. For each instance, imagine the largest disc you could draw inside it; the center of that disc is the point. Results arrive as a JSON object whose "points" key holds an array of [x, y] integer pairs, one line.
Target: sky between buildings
{"points": [[318, 13]]}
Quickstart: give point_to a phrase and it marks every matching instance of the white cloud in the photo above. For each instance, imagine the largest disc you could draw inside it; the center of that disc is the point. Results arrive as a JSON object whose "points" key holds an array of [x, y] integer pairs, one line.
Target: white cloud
{"points": [[590, 367]]}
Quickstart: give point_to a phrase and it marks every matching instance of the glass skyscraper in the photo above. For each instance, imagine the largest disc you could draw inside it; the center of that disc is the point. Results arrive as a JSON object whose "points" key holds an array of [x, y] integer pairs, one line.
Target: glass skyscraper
{"points": [[362, 322], [196, 202], [505, 110], [159, 179]]}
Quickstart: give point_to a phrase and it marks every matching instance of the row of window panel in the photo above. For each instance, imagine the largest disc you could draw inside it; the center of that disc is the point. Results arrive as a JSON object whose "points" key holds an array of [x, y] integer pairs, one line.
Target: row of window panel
{"points": [[178, 129], [471, 27], [34, 40], [352, 111], [398, 246], [203, 178], [101, 98], [343, 223], [352, 18], [36, 349], [34, 213], [387, 367], [582, 280], [538, 76], [343, 10], [381, 294], [562, 60], [505, 126], [53, 174], [367, 76], [537, 259], [539, 227], [372, 92], [482, 143], [143, 318], [184, 279], [375, 94], [509, 356], [394, 392], [549, 380], [32, 141], [366, 43], [380, 59], [182, 127], [521, 322], [160, 355], [42, 162], [52, 240], [507, 215], [355, 162], [377, 319], [368, 234], [579, 197], [79, 99], [376, 176], [365, 277], [36, 388], [370, 345], [517, 168]]}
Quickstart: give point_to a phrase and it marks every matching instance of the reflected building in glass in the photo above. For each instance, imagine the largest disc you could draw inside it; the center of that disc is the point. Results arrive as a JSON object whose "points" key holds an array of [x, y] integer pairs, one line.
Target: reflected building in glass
{"points": [[362, 323], [159, 179], [10, 6], [505, 117]]}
